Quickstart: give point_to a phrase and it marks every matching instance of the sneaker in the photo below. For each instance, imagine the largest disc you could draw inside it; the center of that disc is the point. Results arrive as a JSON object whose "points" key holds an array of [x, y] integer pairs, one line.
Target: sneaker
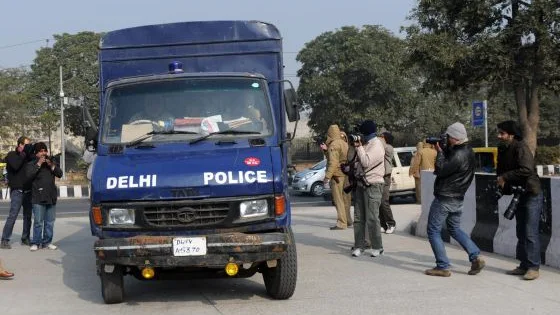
{"points": [[51, 246], [357, 252], [33, 248], [531, 274], [25, 242], [476, 266], [438, 272], [390, 230], [518, 271], [336, 228], [376, 252], [5, 245], [382, 230]]}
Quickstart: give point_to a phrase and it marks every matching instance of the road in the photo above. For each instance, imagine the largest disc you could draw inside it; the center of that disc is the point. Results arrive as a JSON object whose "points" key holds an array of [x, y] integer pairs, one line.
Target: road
{"points": [[329, 280]]}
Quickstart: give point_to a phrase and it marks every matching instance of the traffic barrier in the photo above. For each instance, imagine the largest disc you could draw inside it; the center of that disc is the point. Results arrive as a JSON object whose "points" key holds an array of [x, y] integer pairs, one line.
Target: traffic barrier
{"points": [[75, 191], [483, 217]]}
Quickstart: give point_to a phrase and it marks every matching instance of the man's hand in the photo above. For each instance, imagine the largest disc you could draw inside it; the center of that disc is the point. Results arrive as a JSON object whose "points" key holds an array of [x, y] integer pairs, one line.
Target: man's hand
{"points": [[323, 146], [438, 148], [41, 160], [501, 182]]}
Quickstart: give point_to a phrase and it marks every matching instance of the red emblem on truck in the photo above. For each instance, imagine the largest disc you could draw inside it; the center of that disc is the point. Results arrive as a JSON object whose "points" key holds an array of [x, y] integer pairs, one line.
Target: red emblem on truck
{"points": [[252, 161]]}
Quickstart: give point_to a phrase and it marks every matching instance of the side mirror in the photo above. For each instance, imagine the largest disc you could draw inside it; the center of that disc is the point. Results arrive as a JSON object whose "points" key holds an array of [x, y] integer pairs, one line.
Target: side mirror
{"points": [[91, 139], [290, 101]]}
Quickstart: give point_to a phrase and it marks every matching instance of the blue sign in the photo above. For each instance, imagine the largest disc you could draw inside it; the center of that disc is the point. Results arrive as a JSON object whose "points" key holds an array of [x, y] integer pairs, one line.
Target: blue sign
{"points": [[478, 114]]}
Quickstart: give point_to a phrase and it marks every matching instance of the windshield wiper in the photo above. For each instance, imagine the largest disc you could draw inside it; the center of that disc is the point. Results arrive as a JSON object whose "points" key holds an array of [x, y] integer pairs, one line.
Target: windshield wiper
{"points": [[225, 132], [151, 133]]}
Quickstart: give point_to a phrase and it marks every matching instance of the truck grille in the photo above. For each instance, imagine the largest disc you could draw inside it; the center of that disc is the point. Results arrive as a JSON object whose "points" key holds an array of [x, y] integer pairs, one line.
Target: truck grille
{"points": [[187, 216]]}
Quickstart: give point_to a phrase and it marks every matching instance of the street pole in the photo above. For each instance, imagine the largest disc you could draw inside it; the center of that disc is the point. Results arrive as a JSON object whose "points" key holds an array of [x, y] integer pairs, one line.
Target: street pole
{"points": [[62, 157], [485, 105]]}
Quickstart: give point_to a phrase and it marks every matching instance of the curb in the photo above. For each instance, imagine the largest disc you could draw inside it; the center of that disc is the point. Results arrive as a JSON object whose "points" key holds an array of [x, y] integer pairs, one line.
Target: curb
{"points": [[74, 191]]}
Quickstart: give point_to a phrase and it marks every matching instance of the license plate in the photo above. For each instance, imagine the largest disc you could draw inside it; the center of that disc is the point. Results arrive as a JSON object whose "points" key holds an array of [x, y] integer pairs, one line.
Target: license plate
{"points": [[189, 246]]}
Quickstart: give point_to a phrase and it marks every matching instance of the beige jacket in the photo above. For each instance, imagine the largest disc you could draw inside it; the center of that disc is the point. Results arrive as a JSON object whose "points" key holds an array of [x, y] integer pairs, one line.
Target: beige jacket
{"points": [[372, 157]]}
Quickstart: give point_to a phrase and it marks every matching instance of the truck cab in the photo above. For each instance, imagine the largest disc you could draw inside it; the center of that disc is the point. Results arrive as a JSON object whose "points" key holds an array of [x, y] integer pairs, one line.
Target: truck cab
{"points": [[190, 177]]}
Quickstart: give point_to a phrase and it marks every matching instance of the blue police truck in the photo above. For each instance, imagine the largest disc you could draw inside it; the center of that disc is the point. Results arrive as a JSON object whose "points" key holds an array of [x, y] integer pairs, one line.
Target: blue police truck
{"points": [[190, 178]]}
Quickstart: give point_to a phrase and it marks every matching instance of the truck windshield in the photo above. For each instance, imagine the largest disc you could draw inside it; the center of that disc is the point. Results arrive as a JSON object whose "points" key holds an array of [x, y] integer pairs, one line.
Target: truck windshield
{"points": [[193, 106]]}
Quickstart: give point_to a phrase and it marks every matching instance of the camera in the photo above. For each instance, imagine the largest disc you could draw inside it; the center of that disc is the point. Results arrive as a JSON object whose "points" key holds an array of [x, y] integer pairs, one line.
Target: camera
{"points": [[442, 140], [512, 207], [352, 138]]}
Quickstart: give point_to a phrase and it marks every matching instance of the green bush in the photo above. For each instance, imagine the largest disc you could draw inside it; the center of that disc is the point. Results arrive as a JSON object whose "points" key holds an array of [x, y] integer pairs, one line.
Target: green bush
{"points": [[547, 155]]}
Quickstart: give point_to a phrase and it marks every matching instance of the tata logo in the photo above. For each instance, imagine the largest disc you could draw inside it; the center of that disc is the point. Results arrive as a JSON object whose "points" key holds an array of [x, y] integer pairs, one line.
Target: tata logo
{"points": [[252, 161], [187, 216]]}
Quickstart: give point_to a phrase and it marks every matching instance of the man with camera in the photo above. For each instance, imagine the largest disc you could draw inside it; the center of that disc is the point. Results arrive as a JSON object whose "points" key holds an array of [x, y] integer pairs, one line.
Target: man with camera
{"points": [[42, 171], [369, 188], [517, 174], [336, 152], [20, 192], [454, 170]]}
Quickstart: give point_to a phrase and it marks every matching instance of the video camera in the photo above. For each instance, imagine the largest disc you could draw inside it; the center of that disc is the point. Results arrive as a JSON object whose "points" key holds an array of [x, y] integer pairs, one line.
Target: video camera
{"points": [[512, 207]]}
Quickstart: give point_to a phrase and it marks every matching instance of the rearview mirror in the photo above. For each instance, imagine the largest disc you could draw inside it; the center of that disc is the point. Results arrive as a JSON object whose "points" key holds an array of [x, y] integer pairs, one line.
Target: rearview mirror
{"points": [[290, 101]]}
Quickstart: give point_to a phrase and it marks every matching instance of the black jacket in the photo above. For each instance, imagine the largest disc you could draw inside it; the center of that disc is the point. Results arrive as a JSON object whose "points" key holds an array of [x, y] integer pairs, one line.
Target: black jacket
{"points": [[516, 165], [43, 188], [455, 171], [15, 163]]}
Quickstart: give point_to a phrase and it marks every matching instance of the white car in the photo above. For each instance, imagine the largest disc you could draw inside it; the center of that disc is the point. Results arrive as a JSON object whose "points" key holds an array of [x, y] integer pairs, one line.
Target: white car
{"points": [[401, 183], [310, 180]]}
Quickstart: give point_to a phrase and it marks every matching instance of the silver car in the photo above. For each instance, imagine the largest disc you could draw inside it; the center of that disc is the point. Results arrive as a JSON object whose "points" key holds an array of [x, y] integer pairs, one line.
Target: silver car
{"points": [[310, 180]]}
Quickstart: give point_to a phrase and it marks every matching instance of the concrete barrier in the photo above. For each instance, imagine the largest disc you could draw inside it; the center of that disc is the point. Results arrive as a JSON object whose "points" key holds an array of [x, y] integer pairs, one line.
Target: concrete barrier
{"points": [[483, 217], [74, 191]]}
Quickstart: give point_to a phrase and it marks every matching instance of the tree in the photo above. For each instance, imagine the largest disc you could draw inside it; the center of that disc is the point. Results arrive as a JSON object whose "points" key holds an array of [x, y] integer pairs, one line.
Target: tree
{"points": [[493, 44], [15, 102], [354, 74], [77, 54]]}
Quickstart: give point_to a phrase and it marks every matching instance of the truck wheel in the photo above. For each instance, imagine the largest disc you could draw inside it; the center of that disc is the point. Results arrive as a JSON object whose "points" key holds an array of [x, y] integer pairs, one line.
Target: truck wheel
{"points": [[280, 281], [317, 189], [112, 285]]}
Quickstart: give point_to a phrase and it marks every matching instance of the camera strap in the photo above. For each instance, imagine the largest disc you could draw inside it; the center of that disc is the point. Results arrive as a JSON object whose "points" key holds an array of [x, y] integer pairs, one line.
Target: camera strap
{"points": [[365, 172]]}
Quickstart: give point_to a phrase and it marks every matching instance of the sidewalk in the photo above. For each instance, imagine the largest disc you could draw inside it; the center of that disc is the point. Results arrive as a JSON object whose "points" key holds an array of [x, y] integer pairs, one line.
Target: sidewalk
{"points": [[329, 280]]}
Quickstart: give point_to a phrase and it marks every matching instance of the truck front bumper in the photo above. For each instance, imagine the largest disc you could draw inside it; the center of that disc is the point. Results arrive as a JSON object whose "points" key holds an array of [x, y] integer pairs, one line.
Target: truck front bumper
{"points": [[157, 251]]}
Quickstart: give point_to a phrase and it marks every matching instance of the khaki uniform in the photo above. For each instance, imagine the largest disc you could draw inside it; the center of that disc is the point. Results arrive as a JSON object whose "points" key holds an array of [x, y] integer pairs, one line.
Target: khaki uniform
{"points": [[337, 150], [424, 160]]}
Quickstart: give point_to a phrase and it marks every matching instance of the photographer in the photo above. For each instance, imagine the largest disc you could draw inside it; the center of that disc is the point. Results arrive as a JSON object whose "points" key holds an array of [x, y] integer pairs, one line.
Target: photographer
{"points": [[516, 168], [336, 152], [369, 189], [454, 172], [20, 192], [41, 171]]}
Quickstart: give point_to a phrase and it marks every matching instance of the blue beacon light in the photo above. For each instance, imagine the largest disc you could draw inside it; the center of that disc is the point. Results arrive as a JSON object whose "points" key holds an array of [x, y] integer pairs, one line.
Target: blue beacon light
{"points": [[176, 67]]}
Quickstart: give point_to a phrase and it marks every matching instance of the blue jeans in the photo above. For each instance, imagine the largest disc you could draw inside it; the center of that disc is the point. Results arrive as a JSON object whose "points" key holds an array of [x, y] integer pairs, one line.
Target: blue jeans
{"points": [[450, 210], [43, 226], [18, 198], [527, 216]]}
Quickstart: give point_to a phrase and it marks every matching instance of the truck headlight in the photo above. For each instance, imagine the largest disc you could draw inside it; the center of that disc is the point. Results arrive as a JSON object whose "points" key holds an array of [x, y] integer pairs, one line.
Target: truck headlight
{"points": [[253, 208], [121, 216]]}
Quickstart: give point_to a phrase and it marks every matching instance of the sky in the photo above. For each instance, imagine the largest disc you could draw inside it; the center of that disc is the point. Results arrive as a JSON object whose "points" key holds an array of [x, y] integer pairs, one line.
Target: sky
{"points": [[26, 24]]}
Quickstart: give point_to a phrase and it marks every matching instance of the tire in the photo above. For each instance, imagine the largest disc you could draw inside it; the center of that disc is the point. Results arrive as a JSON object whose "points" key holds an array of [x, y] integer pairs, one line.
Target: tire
{"points": [[317, 189], [112, 285], [280, 281]]}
